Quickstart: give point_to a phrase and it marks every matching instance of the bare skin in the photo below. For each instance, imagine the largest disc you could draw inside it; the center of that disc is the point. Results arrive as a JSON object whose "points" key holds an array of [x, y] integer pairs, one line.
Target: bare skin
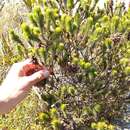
{"points": [[16, 87]]}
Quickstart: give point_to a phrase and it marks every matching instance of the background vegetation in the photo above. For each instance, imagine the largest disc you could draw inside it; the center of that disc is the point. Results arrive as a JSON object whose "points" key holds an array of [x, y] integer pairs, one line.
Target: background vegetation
{"points": [[88, 49]]}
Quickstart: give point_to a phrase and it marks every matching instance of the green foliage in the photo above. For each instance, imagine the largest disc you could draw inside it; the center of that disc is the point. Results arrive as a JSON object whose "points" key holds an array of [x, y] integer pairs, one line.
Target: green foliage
{"points": [[70, 4], [88, 50], [102, 125]]}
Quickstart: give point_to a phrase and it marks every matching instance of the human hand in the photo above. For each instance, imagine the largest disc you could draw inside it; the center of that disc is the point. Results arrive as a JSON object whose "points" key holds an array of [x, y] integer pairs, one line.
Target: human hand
{"points": [[16, 85]]}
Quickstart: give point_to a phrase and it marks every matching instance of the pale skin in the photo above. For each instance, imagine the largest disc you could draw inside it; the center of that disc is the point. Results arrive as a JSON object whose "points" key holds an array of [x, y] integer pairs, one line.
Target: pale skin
{"points": [[16, 87]]}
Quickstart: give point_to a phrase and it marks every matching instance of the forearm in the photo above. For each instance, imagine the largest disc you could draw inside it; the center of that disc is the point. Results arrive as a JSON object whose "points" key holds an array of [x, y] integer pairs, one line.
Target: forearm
{"points": [[3, 100], [9, 101]]}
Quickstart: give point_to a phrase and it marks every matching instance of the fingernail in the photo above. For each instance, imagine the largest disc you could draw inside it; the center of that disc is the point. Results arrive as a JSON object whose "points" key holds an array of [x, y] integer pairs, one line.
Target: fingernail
{"points": [[46, 73]]}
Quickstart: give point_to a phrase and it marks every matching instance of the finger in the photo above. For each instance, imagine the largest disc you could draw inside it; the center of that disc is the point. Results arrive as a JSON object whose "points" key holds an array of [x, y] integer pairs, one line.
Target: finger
{"points": [[18, 67], [38, 76], [22, 63], [25, 62]]}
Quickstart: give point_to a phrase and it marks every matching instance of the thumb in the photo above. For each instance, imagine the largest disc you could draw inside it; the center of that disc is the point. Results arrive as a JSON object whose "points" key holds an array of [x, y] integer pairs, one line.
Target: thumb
{"points": [[38, 76]]}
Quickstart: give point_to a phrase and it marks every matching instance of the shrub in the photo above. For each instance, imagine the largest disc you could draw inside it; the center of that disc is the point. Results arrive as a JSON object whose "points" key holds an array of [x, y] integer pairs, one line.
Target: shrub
{"points": [[88, 50], [102, 125]]}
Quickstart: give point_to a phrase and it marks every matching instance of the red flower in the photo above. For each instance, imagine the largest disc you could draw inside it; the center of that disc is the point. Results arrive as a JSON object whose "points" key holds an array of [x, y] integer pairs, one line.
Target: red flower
{"points": [[32, 68]]}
